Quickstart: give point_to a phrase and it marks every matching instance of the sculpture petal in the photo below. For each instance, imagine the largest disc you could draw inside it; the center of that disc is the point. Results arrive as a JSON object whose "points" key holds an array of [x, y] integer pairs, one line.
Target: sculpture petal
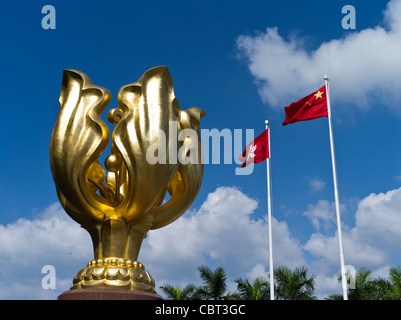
{"points": [[148, 106], [186, 183], [78, 139]]}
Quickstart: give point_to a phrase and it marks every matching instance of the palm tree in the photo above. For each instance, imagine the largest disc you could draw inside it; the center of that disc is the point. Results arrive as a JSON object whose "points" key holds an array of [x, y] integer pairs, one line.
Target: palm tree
{"points": [[258, 290], [382, 289], [389, 289], [175, 293], [365, 288], [214, 284], [294, 285], [373, 289], [395, 280]]}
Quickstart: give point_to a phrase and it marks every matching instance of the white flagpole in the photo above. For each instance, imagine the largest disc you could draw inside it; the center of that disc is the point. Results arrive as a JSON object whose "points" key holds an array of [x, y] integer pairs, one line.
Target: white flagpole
{"points": [[269, 215], [333, 161]]}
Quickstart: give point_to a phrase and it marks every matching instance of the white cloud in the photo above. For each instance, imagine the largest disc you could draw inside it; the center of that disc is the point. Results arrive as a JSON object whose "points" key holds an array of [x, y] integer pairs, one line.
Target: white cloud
{"points": [[378, 220], [326, 284], [363, 66], [259, 270], [222, 231], [51, 238], [357, 253], [371, 243], [317, 184], [322, 213]]}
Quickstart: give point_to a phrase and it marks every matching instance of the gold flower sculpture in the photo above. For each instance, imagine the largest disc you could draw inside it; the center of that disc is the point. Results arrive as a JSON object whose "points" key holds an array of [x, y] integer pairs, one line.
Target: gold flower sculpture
{"points": [[120, 206]]}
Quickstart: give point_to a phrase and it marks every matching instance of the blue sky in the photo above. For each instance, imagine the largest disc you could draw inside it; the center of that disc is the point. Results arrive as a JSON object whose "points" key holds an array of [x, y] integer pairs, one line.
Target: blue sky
{"points": [[241, 62]]}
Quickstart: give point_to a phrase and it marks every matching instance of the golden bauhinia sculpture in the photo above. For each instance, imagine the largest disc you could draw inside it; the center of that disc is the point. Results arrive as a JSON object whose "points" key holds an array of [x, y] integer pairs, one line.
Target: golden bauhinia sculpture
{"points": [[119, 207]]}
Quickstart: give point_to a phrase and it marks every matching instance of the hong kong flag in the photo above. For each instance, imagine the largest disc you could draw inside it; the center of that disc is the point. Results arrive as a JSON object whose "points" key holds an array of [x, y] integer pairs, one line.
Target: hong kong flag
{"points": [[257, 150], [310, 107]]}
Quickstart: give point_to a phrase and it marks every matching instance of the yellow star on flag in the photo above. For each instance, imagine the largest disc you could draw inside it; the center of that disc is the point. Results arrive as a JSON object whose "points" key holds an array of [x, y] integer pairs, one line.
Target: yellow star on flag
{"points": [[318, 94]]}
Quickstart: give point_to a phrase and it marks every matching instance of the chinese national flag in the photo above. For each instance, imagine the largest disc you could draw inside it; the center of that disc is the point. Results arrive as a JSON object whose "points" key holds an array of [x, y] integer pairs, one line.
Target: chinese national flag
{"points": [[257, 150], [311, 107]]}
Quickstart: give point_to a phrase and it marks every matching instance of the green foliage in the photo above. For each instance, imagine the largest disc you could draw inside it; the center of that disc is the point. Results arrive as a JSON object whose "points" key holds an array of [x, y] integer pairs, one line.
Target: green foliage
{"points": [[175, 293], [289, 285], [258, 290], [367, 288], [214, 284], [294, 284]]}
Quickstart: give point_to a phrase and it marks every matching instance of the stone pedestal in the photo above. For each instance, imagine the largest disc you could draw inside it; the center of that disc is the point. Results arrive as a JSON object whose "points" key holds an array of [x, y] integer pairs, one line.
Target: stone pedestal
{"points": [[107, 294]]}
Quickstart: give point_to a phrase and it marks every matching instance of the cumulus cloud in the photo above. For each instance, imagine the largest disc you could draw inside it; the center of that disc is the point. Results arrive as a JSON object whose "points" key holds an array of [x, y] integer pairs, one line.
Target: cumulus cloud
{"points": [[371, 243], [317, 184], [222, 232], [378, 220], [363, 66], [50, 238], [322, 213]]}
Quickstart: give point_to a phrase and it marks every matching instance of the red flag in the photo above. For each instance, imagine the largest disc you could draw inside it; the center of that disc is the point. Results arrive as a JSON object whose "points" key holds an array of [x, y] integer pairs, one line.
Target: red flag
{"points": [[311, 107], [257, 150]]}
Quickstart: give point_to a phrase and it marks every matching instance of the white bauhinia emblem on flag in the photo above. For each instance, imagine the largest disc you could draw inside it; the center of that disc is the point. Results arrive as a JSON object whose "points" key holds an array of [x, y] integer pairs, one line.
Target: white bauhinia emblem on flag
{"points": [[251, 153], [256, 151]]}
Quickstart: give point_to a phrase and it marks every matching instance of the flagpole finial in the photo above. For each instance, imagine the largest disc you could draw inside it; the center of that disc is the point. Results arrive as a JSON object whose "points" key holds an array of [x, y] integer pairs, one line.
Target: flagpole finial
{"points": [[326, 77], [267, 122]]}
